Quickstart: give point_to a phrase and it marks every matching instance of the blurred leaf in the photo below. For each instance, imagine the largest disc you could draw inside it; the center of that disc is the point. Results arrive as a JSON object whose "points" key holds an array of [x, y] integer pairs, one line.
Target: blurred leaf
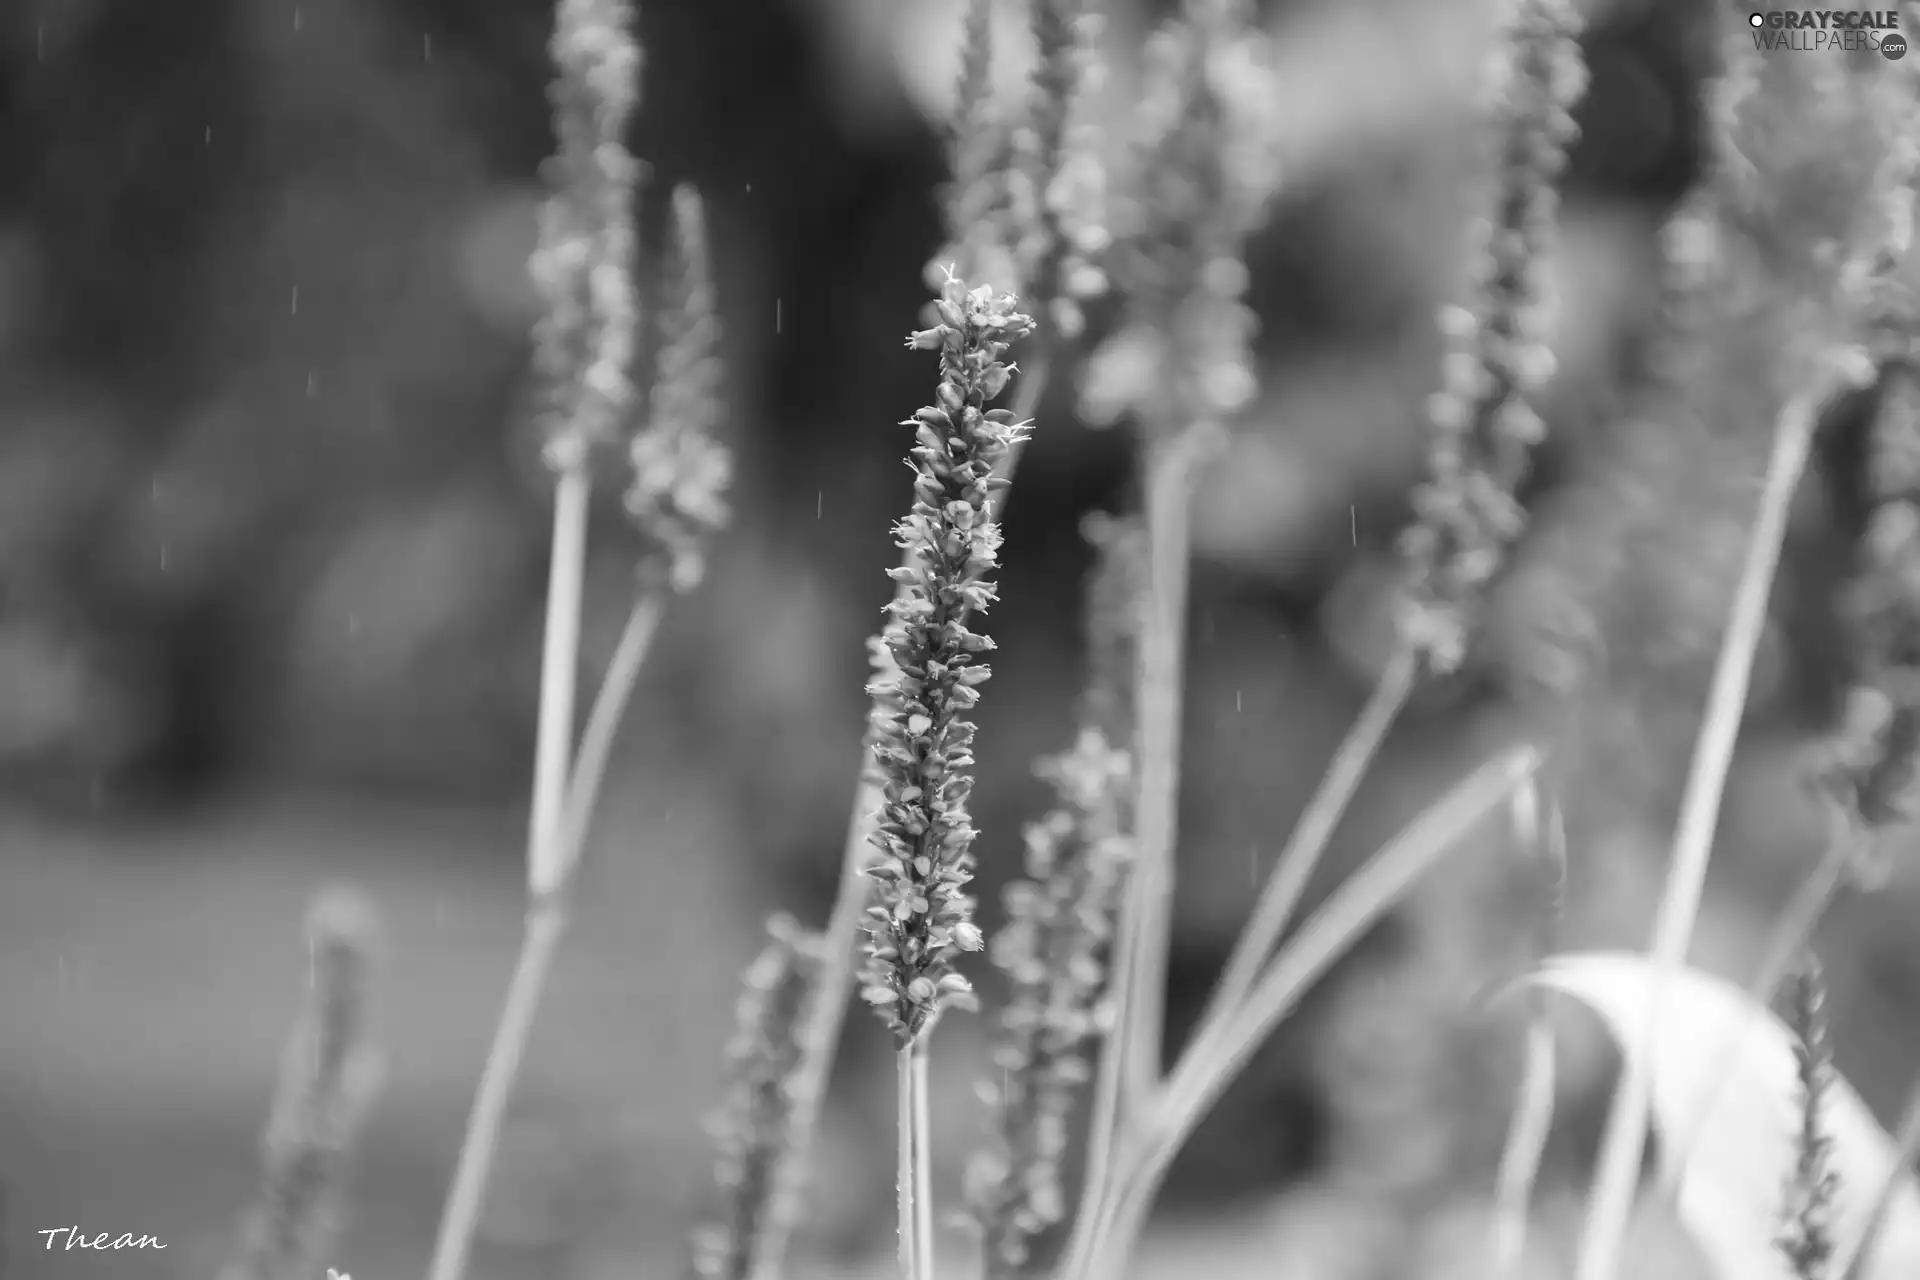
{"points": [[1713, 1044]]}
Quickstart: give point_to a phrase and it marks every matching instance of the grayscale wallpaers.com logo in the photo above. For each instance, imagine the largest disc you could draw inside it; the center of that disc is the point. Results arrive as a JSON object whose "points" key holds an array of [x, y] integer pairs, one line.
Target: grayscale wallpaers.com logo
{"points": [[1830, 30]]}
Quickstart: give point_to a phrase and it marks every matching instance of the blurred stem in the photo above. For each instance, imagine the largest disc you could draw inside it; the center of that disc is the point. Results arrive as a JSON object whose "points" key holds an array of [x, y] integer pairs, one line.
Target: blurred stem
{"points": [[1129, 1062], [1308, 843], [825, 1015], [1027, 395], [1100, 1246], [553, 851], [1147, 918], [913, 1175], [1616, 1173], [1540, 825], [546, 923], [1526, 1141], [603, 723], [559, 671]]}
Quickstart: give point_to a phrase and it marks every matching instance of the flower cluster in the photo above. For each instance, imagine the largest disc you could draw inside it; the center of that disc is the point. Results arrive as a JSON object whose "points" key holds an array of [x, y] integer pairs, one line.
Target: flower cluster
{"points": [[680, 472], [1806, 1238], [1180, 221], [751, 1126], [1059, 172], [1060, 921], [922, 740], [1483, 424], [584, 343], [1024, 206], [1871, 770]]}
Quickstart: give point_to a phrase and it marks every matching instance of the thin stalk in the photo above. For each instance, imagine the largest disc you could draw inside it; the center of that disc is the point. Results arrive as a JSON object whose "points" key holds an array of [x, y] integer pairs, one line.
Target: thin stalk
{"points": [[1542, 827], [1271, 914], [559, 672], [922, 1164], [1617, 1170], [546, 924], [1856, 1262], [1034, 374], [1526, 1142], [603, 722], [1147, 918], [1129, 1062], [546, 919], [913, 1171], [1309, 839], [1356, 906], [556, 853], [1791, 932], [827, 1006]]}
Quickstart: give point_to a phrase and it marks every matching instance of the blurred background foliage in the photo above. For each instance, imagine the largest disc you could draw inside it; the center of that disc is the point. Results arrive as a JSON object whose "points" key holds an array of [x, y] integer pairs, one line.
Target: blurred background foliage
{"points": [[271, 558]]}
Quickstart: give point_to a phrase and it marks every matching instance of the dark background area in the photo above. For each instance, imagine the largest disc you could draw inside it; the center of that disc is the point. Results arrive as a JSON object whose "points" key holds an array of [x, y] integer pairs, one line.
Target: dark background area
{"points": [[272, 552]]}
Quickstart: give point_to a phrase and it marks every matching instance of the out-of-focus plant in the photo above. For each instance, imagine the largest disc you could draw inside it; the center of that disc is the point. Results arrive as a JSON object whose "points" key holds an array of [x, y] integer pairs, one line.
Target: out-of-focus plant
{"points": [[1035, 227], [327, 1086], [584, 348], [1781, 127]]}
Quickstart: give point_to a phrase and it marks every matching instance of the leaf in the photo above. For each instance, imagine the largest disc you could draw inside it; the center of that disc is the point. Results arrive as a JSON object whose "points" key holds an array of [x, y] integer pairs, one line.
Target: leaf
{"points": [[1722, 1080]]}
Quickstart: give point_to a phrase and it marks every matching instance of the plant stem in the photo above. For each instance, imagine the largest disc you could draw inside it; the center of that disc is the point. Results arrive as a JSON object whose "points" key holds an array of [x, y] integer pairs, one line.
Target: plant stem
{"points": [[1034, 374], [826, 1012], [553, 853], [1310, 837], [1526, 1140], [1147, 916], [559, 667], [1790, 933], [603, 723], [559, 672], [546, 923], [1129, 1059], [1353, 908], [913, 1172], [1616, 1175], [922, 1162]]}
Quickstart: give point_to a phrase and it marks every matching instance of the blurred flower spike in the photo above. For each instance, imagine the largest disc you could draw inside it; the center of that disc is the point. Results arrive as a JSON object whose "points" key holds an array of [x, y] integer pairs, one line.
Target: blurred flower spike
{"points": [[583, 263]]}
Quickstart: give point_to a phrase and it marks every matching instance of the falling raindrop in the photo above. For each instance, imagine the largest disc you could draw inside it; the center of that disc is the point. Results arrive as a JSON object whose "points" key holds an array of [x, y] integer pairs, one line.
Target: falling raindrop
{"points": [[163, 557], [311, 384], [1353, 525], [296, 301], [427, 45], [296, 19], [776, 315], [819, 502], [1236, 700], [209, 135]]}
